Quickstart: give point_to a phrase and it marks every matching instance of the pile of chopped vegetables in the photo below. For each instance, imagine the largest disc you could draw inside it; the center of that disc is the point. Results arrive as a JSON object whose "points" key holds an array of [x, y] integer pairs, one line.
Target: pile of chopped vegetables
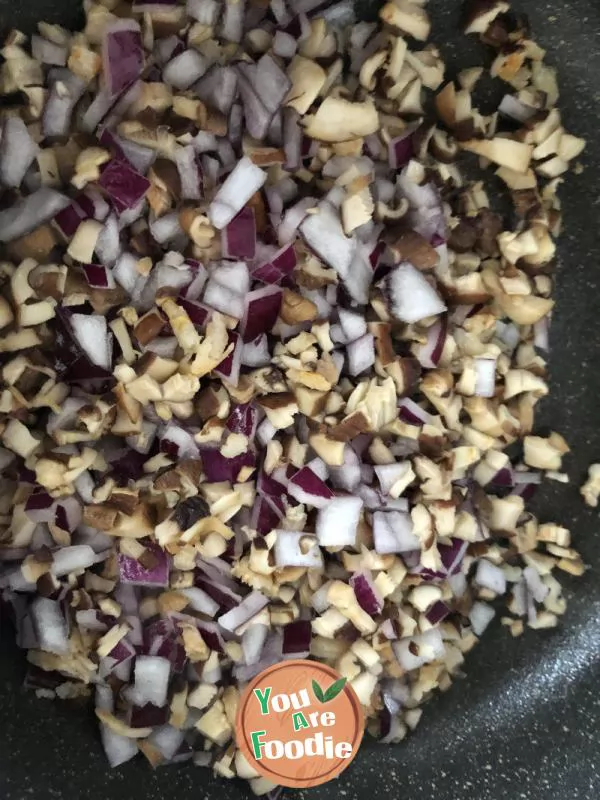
{"points": [[269, 360]]}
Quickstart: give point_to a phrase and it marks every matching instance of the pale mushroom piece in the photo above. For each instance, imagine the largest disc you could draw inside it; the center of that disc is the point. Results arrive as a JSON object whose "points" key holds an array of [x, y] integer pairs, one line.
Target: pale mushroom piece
{"points": [[339, 120], [477, 15], [308, 79], [407, 17], [505, 152], [591, 488]]}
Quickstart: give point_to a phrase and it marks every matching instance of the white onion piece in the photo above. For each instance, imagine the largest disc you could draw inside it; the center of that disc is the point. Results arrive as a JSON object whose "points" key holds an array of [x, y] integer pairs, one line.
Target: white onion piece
{"points": [[256, 353], [185, 69], [323, 233], [535, 584], [165, 228], [297, 549], [108, 245], [480, 616], [393, 532], [253, 642], [348, 476], [361, 354], [72, 559], [232, 24], [390, 474], [30, 212], [125, 272], [485, 381], [429, 647], [242, 613], [240, 185], [204, 11], [337, 522], [189, 174], [353, 325], [65, 92], [284, 45], [92, 334], [17, 152], [200, 601], [50, 625], [224, 299], [491, 577], [167, 740], [48, 52], [412, 297], [151, 680], [119, 749]]}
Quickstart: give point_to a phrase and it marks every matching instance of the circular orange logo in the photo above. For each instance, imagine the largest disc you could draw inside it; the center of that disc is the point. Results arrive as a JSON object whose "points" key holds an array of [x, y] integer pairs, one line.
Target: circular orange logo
{"points": [[299, 723]]}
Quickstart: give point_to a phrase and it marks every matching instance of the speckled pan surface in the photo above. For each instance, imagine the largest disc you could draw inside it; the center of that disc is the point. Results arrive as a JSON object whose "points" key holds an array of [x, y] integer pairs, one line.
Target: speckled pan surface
{"points": [[524, 724]]}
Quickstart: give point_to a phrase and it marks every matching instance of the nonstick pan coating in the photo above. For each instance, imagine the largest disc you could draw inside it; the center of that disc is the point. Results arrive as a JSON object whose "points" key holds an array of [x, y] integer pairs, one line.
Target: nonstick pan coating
{"points": [[524, 723]]}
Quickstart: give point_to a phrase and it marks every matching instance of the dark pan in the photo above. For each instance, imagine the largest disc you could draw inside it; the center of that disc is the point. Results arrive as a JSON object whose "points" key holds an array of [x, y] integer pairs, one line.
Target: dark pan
{"points": [[524, 723]]}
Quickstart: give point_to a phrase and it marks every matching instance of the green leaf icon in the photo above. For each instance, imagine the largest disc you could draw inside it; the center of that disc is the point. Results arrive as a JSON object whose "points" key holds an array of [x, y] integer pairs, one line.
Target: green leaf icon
{"points": [[334, 690], [318, 692], [329, 694]]}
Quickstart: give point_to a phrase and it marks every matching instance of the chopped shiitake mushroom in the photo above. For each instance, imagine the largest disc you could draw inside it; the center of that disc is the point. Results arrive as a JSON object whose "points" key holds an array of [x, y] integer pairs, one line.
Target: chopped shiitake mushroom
{"points": [[272, 358]]}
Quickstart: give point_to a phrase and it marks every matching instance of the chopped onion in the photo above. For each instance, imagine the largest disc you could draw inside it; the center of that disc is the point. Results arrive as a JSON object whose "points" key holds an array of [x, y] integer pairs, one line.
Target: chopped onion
{"points": [[412, 297], [337, 522], [241, 184]]}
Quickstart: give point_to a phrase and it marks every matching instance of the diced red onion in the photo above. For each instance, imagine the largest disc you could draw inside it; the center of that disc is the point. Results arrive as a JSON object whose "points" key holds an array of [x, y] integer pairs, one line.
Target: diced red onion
{"points": [[485, 381], [389, 474], [253, 641], [218, 88], [296, 639], [204, 11], [367, 595], [250, 606], [65, 91], [200, 601], [17, 151], [134, 573], [183, 70], [393, 532], [491, 577], [480, 616], [122, 55], [337, 522], [92, 334], [189, 173], [289, 550], [401, 149], [306, 487], [30, 212], [241, 184], [429, 354], [324, 234], [50, 625], [512, 107], [151, 677], [178, 442], [239, 236], [535, 584], [123, 184], [412, 413], [361, 354], [418, 650], [262, 310], [412, 297], [232, 23]]}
